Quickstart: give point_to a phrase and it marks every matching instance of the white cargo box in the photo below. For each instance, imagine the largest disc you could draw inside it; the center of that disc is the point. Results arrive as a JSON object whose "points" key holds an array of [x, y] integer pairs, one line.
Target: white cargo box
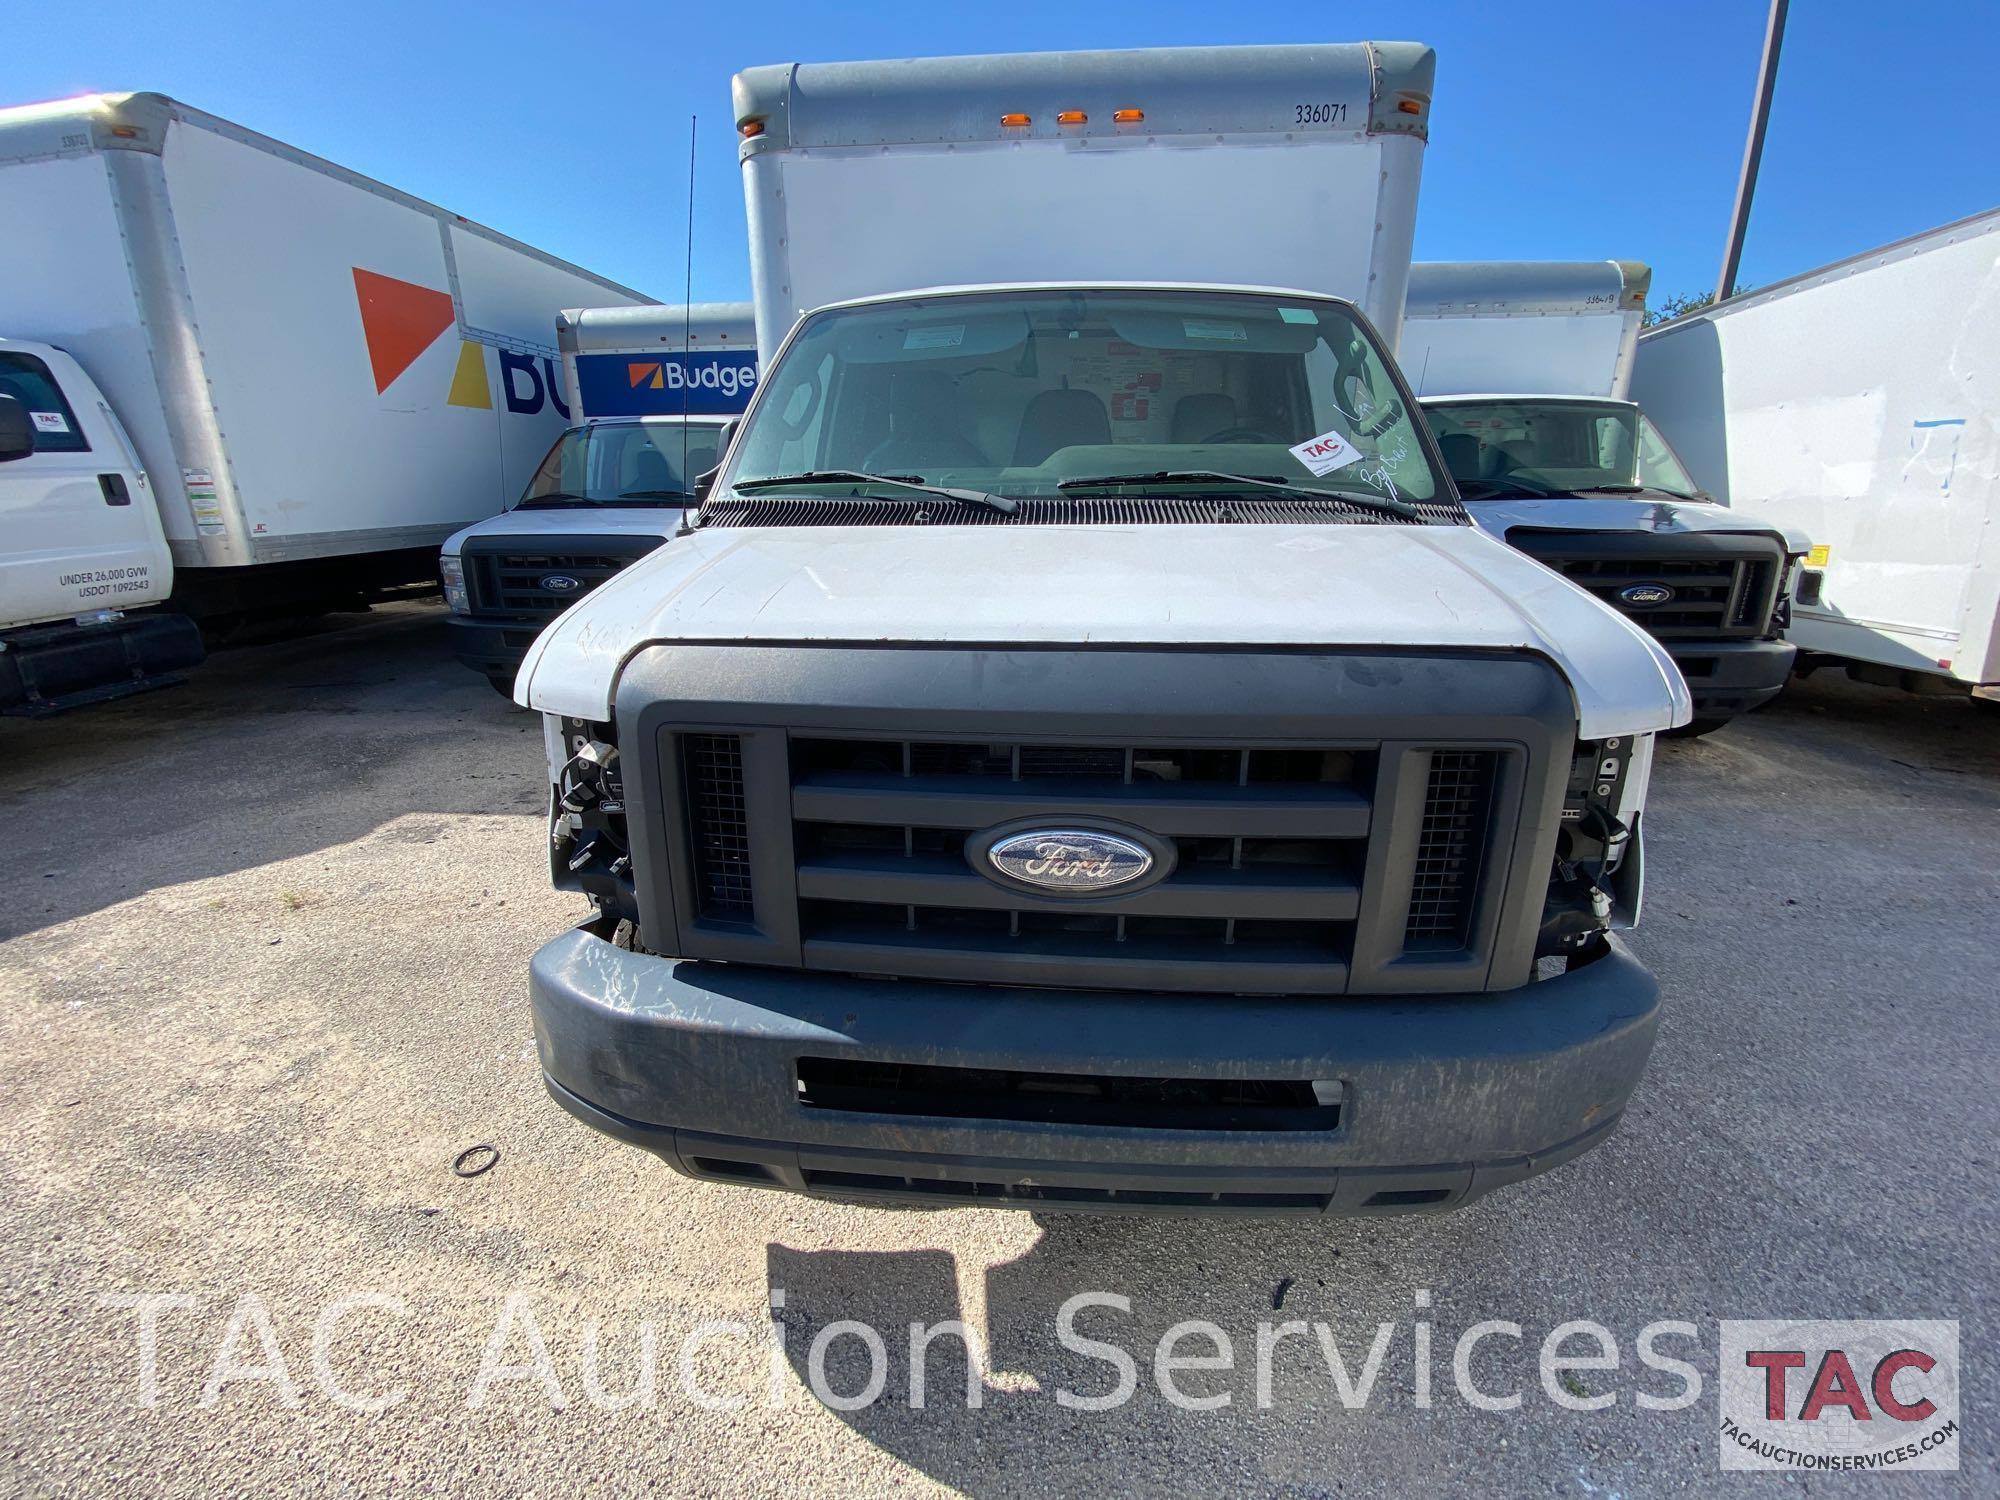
{"points": [[670, 360], [1540, 328], [1860, 404], [311, 364], [1292, 166]]}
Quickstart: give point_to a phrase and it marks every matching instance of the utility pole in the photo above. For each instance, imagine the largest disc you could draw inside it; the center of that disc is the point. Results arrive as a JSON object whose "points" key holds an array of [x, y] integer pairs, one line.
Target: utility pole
{"points": [[1753, 149]]}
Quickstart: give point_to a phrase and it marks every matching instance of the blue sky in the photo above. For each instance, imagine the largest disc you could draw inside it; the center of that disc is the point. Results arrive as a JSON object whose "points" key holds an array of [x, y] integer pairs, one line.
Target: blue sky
{"points": [[1560, 130]]}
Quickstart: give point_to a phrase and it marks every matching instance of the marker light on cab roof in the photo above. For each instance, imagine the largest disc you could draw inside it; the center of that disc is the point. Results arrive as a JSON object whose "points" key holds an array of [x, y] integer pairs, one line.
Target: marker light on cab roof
{"points": [[1128, 116], [1017, 122]]}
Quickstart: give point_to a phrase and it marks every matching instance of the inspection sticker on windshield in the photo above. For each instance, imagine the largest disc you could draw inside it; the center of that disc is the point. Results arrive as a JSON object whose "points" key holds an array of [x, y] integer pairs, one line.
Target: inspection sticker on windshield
{"points": [[50, 421], [1213, 328], [937, 336], [1325, 453]]}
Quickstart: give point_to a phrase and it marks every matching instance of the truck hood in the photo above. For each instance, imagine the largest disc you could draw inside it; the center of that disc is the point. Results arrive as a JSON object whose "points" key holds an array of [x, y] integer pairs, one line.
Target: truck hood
{"points": [[596, 520], [1424, 587], [1623, 513]]}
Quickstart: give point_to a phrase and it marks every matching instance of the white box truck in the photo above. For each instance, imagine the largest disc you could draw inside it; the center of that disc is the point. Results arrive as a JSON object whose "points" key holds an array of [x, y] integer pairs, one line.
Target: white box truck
{"points": [[1083, 757], [1860, 404], [319, 377], [652, 389], [1523, 370]]}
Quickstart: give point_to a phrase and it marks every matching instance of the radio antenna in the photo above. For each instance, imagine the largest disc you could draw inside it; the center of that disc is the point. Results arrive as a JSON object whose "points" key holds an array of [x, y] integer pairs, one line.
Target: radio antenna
{"points": [[687, 321], [687, 315]]}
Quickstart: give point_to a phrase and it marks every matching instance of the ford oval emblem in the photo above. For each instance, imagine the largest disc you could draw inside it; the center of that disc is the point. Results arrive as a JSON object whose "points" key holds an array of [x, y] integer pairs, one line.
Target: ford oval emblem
{"points": [[1070, 861], [1646, 595], [559, 583]]}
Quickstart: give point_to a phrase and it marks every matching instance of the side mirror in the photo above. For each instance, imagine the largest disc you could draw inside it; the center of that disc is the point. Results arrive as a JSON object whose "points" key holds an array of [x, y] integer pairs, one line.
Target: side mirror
{"points": [[705, 481], [17, 430]]}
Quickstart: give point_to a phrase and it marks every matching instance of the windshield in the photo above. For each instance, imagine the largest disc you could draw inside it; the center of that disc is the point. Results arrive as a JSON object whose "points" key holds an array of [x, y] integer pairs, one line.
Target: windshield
{"points": [[1014, 393], [629, 463], [1496, 448]]}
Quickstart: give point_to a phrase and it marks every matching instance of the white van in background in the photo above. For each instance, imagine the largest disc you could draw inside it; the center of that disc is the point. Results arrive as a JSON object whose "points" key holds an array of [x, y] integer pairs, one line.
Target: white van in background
{"points": [[653, 388], [1522, 368], [1860, 403], [84, 568], [315, 380]]}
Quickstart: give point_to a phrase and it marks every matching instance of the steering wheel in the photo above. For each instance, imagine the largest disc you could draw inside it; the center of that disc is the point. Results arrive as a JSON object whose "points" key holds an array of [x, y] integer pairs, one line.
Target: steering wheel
{"points": [[1240, 435]]}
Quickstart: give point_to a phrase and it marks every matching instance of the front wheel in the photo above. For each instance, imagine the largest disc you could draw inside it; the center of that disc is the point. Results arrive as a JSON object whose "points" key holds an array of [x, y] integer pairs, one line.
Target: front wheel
{"points": [[504, 686]]}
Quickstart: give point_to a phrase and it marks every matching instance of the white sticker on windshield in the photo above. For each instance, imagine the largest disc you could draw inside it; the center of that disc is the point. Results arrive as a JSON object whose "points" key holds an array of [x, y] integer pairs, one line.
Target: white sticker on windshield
{"points": [[50, 421], [937, 336], [1298, 315], [1325, 453], [1214, 328]]}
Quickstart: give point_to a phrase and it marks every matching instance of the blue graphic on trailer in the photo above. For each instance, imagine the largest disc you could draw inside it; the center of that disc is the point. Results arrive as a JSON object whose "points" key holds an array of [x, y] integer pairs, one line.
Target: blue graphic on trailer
{"points": [[704, 384]]}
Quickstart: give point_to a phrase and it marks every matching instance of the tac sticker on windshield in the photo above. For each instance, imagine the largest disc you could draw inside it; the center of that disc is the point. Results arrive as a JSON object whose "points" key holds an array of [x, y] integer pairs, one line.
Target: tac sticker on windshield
{"points": [[937, 336], [1214, 328], [1325, 453], [1298, 315], [49, 421]]}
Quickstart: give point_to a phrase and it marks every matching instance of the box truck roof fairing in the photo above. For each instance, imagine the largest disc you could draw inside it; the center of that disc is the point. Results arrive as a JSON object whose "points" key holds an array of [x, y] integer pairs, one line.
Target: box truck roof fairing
{"points": [[1274, 166]]}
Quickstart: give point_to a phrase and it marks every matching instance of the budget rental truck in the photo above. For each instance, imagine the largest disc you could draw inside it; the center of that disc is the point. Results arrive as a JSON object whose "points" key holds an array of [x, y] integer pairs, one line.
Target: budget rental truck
{"points": [[1082, 756], [259, 382], [1860, 404], [652, 389], [1524, 370]]}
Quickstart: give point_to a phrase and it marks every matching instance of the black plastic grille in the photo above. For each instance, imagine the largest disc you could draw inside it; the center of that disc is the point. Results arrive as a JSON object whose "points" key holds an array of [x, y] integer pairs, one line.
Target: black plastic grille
{"points": [[1723, 587], [1458, 801], [896, 1088], [510, 584], [1066, 510], [1269, 846], [718, 825]]}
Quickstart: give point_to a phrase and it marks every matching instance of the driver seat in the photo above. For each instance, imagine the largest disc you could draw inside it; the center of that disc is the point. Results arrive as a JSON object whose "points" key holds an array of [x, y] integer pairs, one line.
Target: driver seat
{"points": [[1201, 415]]}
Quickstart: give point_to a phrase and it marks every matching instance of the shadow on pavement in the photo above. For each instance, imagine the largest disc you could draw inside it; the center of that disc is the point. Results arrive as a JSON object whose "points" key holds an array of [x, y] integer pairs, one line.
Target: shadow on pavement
{"points": [[267, 752]]}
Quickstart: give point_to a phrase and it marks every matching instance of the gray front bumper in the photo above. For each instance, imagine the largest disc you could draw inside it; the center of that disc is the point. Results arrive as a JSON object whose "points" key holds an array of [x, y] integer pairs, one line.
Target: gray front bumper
{"points": [[1446, 1096], [1726, 678]]}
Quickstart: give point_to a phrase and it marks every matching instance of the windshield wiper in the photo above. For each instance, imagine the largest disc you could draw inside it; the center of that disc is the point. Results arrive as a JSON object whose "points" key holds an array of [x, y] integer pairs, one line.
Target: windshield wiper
{"points": [[552, 500], [1383, 503], [900, 481], [1506, 487], [1634, 489], [653, 495]]}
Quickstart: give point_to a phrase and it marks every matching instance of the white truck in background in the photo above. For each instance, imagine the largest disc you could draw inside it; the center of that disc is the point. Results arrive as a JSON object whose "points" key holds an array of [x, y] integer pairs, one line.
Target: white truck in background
{"points": [[1082, 756], [303, 380], [1860, 403], [652, 389], [1524, 369]]}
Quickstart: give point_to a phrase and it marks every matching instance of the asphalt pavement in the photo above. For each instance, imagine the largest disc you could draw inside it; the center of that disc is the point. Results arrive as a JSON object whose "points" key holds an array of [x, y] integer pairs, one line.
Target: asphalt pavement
{"points": [[264, 980]]}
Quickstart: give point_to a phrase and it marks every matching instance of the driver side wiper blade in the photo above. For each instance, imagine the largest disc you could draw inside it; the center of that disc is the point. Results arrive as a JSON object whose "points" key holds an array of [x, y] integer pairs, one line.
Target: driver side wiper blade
{"points": [[653, 495], [1001, 503], [1383, 503], [1506, 487]]}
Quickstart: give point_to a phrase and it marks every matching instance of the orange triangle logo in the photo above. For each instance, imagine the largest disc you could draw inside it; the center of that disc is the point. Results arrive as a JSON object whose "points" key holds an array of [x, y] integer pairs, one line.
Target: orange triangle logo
{"points": [[400, 320], [646, 374]]}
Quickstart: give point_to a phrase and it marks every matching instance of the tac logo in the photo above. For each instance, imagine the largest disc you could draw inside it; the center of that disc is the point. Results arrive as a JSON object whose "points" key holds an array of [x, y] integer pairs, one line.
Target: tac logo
{"points": [[1839, 1396], [400, 320]]}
